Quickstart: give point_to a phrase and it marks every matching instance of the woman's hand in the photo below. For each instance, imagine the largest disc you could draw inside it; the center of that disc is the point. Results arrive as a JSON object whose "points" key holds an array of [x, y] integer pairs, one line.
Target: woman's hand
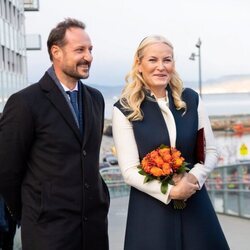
{"points": [[192, 179], [185, 188], [177, 177]]}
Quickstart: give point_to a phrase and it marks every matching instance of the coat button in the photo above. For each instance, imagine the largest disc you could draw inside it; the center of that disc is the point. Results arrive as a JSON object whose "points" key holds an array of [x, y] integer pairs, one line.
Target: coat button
{"points": [[85, 218], [86, 185], [84, 153]]}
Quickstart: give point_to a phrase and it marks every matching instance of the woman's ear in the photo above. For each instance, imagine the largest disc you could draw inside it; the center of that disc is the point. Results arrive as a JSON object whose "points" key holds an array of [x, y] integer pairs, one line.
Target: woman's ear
{"points": [[139, 68]]}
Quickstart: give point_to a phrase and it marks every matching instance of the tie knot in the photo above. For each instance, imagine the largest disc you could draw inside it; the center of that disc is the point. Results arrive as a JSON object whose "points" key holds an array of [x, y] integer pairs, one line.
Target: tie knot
{"points": [[72, 94]]}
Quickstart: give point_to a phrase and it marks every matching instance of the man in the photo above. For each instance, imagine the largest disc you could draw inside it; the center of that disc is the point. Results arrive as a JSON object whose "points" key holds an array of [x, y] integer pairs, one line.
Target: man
{"points": [[49, 151]]}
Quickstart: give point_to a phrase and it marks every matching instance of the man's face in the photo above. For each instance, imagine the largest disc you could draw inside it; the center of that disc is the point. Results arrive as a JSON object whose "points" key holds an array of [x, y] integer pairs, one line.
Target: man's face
{"points": [[75, 56]]}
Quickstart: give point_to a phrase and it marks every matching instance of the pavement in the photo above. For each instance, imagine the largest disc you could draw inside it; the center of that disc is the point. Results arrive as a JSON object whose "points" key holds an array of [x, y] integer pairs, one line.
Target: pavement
{"points": [[236, 230]]}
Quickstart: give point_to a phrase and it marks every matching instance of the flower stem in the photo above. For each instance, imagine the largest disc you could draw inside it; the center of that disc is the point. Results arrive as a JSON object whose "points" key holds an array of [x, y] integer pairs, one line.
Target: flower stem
{"points": [[179, 204]]}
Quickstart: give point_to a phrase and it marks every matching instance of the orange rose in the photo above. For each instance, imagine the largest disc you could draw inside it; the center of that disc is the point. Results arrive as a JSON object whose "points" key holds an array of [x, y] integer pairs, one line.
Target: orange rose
{"points": [[166, 169], [163, 151], [156, 171], [165, 154], [178, 162], [159, 162], [145, 165], [167, 158], [153, 154], [176, 153]]}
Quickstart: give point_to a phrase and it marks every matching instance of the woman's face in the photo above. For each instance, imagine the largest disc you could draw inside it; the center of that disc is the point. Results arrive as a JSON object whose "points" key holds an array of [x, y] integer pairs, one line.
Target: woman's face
{"points": [[157, 67]]}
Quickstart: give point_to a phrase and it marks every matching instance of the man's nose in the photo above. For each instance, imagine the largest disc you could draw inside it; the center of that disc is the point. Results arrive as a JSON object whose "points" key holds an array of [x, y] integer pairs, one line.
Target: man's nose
{"points": [[88, 56]]}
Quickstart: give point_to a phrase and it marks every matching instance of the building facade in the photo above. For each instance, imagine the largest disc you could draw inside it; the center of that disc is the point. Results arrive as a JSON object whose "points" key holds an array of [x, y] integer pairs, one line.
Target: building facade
{"points": [[13, 59]]}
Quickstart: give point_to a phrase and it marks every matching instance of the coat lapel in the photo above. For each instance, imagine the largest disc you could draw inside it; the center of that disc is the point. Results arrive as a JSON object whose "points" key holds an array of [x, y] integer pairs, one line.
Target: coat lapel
{"points": [[56, 97]]}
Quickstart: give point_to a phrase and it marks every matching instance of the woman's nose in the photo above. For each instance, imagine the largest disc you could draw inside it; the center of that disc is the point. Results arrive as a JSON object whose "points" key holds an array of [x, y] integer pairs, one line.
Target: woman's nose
{"points": [[160, 66]]}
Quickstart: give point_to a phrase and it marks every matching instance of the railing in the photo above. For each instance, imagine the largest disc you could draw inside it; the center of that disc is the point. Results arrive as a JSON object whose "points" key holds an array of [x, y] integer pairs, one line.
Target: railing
{"points": [[114, 180], [228, 188]]}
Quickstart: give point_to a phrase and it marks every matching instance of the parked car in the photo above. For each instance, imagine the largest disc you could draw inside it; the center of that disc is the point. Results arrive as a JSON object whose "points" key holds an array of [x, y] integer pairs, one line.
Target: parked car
{"points": [[111, 159], [103, 165]]}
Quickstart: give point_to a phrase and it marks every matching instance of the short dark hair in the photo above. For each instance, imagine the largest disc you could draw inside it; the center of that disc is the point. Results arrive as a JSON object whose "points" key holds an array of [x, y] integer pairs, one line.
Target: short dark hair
{"points": [[57, 35]]}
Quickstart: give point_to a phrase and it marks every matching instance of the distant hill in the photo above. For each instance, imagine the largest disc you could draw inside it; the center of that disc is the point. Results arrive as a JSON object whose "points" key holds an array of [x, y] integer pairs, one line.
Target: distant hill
{"points": [[225, 84], [228, 84], [109, 91]]}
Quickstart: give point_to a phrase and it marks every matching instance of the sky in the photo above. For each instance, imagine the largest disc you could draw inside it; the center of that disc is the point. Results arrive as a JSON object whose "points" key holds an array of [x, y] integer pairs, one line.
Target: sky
{"points": [[116, 27]]}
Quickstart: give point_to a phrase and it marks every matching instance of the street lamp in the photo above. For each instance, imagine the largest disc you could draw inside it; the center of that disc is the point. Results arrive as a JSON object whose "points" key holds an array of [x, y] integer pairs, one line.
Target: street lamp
{"points": [[192, 57]]}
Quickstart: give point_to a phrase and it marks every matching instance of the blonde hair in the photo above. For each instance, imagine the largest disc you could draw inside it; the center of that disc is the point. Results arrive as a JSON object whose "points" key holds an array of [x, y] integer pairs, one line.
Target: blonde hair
{"points": [[134, 91]]}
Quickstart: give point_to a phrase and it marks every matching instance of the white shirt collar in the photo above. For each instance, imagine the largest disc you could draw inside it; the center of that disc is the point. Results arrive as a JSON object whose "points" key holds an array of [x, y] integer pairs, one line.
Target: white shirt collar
{"points": [[67, 89]]}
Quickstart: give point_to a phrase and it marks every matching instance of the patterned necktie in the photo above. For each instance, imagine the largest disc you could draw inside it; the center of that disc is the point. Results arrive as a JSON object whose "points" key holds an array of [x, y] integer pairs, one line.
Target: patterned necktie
{"points": [[73, 100]]}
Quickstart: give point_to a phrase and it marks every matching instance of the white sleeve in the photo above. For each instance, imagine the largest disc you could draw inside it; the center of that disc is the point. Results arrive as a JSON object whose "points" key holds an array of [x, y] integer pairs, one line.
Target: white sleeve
{"points": [[128, 158], [201, 171]]}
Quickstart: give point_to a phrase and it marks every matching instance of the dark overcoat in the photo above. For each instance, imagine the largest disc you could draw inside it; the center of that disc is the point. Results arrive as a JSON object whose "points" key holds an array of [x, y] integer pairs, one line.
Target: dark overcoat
{"points": [[49, 173], [152, 224]]}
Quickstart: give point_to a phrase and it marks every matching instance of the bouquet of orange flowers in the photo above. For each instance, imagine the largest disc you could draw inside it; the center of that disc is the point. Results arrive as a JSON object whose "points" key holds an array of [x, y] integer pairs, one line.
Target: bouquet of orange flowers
{"points": [[161, 164]]}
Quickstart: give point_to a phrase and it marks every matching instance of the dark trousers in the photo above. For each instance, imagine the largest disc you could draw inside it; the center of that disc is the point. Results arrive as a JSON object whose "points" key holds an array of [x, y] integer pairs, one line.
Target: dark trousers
{"points": [[7, 238]]}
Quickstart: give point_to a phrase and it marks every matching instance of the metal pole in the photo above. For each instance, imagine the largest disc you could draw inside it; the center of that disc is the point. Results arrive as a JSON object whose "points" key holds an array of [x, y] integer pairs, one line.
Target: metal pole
{"points": [[198, 45], [200, 86]]}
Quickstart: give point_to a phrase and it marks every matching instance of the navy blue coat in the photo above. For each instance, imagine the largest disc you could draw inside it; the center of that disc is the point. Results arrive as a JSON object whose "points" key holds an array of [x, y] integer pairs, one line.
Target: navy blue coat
{"points": [[153, 225], [64, 200]]}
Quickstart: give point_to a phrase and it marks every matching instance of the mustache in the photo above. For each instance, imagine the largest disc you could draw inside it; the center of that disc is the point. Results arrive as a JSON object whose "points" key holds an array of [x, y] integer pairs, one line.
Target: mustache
{"points": [[83, 62]]}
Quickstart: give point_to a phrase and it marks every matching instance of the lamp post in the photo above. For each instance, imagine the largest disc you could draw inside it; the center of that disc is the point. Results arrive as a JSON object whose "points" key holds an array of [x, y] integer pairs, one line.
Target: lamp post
{"points": [[192, 57]]}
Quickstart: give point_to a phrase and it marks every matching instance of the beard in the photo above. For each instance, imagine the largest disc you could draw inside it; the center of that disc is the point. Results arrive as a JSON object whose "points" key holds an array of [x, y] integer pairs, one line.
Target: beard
{"points": [[78, 73]]}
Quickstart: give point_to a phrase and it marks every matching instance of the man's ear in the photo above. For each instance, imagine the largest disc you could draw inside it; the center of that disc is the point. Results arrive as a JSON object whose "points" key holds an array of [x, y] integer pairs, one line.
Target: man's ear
{"points": [[56, 52]]}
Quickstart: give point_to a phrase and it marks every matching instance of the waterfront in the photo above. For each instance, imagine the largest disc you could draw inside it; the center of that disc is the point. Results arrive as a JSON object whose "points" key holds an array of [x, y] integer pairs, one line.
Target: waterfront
{"points": [[232, 147], [229, 145], [225, 104]]}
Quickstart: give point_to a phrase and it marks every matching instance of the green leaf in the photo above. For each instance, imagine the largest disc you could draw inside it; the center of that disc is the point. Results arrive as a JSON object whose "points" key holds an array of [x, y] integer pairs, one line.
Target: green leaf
{"points": [[142, 172], [148, 178], [179, 204], [164, 187]]}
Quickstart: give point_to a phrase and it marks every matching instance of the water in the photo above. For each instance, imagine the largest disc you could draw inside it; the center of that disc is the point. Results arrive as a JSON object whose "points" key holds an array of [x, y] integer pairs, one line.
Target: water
{"points": [[216, 104], [227, 104]]}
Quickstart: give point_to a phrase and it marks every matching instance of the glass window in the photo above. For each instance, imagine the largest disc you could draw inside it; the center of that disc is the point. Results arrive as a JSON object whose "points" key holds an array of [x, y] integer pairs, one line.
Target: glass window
{"points": [[3, 55], [8, 59], [1, 9], [12, 61], [5, 9]]}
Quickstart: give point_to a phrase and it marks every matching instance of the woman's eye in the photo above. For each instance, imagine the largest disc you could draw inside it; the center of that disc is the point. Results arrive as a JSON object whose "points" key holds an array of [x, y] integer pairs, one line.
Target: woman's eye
{"points": [[168, 60]]}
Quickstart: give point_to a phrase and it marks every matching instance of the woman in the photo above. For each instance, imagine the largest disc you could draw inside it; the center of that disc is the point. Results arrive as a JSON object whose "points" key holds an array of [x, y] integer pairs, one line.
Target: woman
{"points": [[155, 109]]}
